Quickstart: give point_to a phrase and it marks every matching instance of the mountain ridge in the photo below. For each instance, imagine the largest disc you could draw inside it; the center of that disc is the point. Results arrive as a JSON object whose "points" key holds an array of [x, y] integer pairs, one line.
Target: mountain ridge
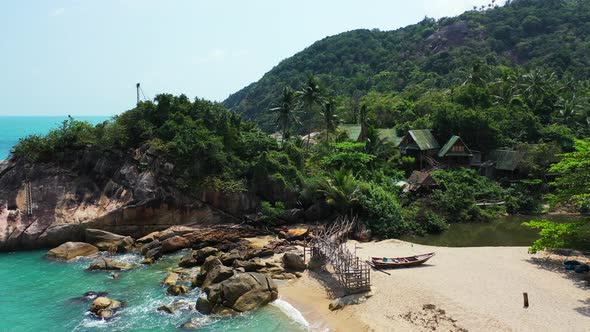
{"points": [[434, 53]]}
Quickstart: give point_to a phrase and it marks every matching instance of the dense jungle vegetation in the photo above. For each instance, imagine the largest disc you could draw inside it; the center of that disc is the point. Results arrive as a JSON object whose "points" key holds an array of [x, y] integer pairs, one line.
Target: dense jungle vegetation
{"points": [[514, 76]]}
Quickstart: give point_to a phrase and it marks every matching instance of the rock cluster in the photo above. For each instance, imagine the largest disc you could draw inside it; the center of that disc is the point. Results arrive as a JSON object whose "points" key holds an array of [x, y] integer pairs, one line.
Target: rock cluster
{"points": [[104, 308]]}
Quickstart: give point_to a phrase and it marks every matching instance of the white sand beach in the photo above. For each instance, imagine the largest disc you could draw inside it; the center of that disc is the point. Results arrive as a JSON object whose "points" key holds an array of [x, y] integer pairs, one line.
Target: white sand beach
{"points": [[474, 289]]}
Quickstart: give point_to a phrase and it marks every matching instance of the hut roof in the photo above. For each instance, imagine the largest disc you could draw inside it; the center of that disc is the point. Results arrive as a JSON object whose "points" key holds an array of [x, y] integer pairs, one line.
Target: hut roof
{"points": [[424, 139], [418, 179], [446, 149], [352, 130], [390, 135], [507, 160]]}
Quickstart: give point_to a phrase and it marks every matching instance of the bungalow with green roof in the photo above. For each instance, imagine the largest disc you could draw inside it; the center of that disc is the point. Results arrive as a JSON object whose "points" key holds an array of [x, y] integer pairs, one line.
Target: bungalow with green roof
{"points": [[506, 162], [421, 145], [353, 132], [455, 153]]}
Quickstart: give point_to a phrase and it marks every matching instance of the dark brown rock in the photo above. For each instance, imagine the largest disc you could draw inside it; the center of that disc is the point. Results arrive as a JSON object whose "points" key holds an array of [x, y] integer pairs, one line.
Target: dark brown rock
{"points": [[293, 262], [174, 243]]}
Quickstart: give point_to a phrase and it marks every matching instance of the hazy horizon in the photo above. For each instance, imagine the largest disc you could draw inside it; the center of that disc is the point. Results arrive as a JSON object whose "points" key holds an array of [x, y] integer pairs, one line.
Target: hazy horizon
{"points": [[85, 57]]}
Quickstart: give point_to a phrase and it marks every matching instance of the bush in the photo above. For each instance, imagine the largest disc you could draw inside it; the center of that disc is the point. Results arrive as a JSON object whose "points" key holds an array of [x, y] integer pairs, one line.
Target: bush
{"points": [[269, 213], [382, 212], [560, 235]]}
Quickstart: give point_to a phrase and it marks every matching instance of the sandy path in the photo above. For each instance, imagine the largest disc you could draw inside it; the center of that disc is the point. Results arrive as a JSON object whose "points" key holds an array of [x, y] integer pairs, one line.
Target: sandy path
{"points": [[477, 289]]}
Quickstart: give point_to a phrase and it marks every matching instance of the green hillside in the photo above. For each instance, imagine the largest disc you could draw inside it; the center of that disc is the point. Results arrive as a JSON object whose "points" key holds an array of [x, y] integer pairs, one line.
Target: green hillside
{"points": [[431, 55]]}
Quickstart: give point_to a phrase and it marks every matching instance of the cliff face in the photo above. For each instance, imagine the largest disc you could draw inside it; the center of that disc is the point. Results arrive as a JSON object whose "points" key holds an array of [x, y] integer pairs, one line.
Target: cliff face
{"points": [[44, 205]]}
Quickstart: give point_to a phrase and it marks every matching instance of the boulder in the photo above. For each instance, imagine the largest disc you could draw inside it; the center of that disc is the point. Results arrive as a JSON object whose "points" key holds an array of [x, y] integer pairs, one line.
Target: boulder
{"points": [[217, 274], [171, 279], [284, 276], [174, 231], [197, 257], [251, 265], [71, 250], [293, 262], [203, 253], [229, 257], [188, 260], [174, 243], [203, 305], [154, 253], [176, 290], [243, 292], [97, 235], [294, 233], [109, 264], [210, 263], [107, 241], [148, 238], [151, 245], [166, 308], [263, 252], [104, 308]]}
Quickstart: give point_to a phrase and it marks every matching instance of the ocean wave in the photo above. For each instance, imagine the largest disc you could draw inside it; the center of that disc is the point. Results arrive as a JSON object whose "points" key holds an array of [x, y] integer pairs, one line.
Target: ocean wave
{"points": [[292, 313]]}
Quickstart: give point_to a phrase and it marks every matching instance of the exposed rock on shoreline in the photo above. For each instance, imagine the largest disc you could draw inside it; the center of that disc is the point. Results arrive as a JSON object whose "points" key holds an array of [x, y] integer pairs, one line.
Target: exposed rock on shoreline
{"points": [[70, 250], [240, 293], [109, 264], [106, 191]]}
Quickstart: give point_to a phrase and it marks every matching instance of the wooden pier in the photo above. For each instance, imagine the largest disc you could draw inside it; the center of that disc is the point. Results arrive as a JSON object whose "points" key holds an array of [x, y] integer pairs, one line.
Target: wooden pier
{"points": [[353, 273]]}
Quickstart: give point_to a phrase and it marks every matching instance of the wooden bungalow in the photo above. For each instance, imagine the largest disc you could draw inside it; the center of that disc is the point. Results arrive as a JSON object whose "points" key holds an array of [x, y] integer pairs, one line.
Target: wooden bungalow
{"points": [[507, 163], [455, 153], [421, 181], [421, 145]]}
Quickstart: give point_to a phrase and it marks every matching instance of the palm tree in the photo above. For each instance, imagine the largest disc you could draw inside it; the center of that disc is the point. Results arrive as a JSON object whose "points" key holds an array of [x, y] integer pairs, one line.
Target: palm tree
{"points": [[364, 125], [286, 112], [330, 118], [341, 190], [309, 96]]}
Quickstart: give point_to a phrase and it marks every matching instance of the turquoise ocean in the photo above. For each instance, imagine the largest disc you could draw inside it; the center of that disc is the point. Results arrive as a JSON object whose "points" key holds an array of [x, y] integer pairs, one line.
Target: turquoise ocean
{"points": [[38, 294]]}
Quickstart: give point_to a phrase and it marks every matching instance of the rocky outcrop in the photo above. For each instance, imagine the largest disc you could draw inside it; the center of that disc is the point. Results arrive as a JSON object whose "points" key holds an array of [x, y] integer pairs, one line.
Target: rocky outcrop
{"points": [[176, 290], [71, 250], [107, 241], [108, 264], [240, 293], [171, 279], [174, 243], [105, 191], [104, 308], [197, 257]]}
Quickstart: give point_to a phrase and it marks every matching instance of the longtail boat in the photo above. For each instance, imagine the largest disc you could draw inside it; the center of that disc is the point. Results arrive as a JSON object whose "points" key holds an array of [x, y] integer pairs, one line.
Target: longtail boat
{"points": [[387, 263]]}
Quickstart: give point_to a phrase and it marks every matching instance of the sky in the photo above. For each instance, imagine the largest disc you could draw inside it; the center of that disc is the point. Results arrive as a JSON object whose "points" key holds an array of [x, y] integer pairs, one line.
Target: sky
{"points": [[84, 57]]}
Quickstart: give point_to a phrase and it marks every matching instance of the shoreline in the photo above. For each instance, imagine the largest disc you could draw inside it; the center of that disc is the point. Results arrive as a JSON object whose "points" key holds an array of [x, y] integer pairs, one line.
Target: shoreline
{"points": [[311, 299], [469, 288]]}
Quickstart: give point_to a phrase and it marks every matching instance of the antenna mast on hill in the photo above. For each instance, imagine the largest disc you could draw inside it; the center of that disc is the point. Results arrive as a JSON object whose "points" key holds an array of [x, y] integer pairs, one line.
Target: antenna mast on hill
{"points": [[137, 88]]}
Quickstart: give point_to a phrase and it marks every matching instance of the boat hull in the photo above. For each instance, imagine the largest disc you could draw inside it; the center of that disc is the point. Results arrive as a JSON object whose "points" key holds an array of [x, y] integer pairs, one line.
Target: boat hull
{"points": [[396, 262]]}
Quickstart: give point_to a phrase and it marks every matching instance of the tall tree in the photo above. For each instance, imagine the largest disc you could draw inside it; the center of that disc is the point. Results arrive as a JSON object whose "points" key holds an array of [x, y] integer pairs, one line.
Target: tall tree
{"points": [[330, 118], [363, 117], [286, 112], [309, 96]]}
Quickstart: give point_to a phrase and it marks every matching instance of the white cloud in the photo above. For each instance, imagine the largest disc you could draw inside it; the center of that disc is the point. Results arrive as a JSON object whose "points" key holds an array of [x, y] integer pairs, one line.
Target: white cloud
{"points": [[57, 12]]}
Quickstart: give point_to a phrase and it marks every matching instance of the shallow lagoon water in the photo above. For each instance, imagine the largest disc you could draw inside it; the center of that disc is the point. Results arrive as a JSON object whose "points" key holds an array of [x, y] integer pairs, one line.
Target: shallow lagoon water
{"points": [[503, 231], [39, 294]]}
